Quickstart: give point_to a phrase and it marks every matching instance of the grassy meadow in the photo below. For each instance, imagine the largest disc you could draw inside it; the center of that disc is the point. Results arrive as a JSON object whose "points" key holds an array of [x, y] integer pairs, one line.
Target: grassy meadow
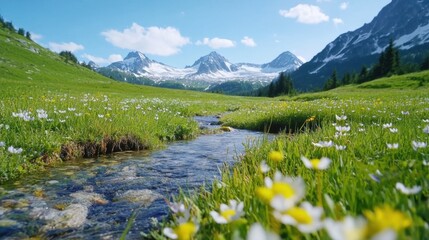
{"points": [[353, 160]]}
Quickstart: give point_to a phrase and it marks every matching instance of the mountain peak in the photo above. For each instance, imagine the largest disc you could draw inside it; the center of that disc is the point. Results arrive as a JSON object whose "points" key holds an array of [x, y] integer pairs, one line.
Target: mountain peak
{"points": [[136, 54], [286, 61]]}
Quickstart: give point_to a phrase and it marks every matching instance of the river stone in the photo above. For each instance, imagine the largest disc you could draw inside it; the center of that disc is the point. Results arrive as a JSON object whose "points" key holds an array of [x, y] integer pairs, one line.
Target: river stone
{"points": [[73, 216], [88, 198], [8, 223], [145, 197]]}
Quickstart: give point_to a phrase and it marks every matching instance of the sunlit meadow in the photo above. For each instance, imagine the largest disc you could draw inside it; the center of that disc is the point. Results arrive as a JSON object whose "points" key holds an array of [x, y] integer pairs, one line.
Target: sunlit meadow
{"points": [[355, 166]]}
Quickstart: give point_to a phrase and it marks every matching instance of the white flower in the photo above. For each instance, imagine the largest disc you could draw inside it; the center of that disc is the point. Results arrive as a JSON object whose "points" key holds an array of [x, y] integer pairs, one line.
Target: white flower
{"points": [[2, 144], [340, 147], [282, 192], [72, 109], [408, 191], [340, 118], [387, 125], [425, 162], [228, 213], [13, 150], [42, 114], [361, 129], [306, 217], [416, 145], [319, 164], [426, 129], [177, 207], [257, 232], [405, 113], [393, 130], [100, 115], [342, 128], [426, 120], [392, 145], [264, 167], [348, 229], [323, 144]]}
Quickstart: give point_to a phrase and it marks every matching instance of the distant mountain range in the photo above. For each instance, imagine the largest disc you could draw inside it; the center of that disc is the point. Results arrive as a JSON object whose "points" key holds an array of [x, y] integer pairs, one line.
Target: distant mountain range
{"points": [[206, 72], [406, 22]]}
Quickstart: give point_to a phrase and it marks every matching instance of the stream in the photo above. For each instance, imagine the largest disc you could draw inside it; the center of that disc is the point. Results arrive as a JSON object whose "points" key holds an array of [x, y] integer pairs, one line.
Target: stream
{"points": [[94, 198]]}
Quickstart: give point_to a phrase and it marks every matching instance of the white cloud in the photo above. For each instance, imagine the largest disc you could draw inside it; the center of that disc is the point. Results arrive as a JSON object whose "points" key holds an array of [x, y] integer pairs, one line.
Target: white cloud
{"points": [[70, 46], [305, 13], [153, 40], [35, 37], [103, 61], [323, 0], [344, 5], [337, 21], [216, 43], [248, 41]]}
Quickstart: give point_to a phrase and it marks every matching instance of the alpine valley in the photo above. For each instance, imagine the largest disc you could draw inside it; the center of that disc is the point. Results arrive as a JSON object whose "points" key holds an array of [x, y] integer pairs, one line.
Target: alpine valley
{"points": [[213, 72]]}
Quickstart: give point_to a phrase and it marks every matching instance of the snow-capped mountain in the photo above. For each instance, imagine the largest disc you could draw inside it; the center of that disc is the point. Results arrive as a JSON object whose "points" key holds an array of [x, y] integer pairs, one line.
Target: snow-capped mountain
{"points": [[286, 62], [210, 68], [406, 22]]}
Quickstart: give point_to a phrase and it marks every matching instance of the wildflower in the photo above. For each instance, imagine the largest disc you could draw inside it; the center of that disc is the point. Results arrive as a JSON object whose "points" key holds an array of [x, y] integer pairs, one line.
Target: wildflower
{"points": [[426, 120], [361, 129], [385, 220], [319, 164], [426, 129], [257, 232], [72, 109], [281, 192], [275, 156], [342, 128], [405, 113], [349, 228], [228, 213], [323, 144], [416, 145], [387, 125], [392, 145], [177, 207], [13, 150], [306, 217], [184, 231], [393, 130], [42, 114], [186, 228], [2, 144], [264, 167], [100, 115], [408, 191], [340, 147], [340, 118]]}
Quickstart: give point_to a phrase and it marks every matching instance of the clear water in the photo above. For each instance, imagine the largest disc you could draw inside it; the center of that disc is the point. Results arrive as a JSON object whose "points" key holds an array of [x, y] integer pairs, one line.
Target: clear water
{"points": [[30, 207]]}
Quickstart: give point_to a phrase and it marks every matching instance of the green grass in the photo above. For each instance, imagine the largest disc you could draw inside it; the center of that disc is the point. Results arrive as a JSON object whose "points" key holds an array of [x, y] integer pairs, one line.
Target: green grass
{"points": [[88, 114]]}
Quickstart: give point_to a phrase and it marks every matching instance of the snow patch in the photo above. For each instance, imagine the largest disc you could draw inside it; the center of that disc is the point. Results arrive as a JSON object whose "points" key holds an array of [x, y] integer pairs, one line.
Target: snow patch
{"points": [[418, 37]]}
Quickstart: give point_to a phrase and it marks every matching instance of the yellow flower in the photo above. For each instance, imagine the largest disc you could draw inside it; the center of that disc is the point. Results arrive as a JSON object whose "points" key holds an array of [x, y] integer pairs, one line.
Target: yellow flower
{"points": [[281, 192], [184, 231], [306, 217], [275, 156], [385, 217]]}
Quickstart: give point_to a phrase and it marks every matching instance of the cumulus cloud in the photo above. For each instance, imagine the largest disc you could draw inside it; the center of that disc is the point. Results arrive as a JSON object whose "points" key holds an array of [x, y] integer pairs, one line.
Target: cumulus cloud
{"points": [[344, 5], [152, 40], [248, 41], [103, 61], [70, 46], [35, 37], [305, 13], [337, 21], [216, 43]]}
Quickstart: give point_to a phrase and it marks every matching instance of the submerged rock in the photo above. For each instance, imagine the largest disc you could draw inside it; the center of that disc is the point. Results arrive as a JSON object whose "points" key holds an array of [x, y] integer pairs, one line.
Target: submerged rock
{"points": [[88, 198], [145, 197], [73, 216]]}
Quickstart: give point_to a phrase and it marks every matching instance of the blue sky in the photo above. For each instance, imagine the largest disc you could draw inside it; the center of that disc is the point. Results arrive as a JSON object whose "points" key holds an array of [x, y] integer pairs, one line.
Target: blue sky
{"points": [[178, 32]]}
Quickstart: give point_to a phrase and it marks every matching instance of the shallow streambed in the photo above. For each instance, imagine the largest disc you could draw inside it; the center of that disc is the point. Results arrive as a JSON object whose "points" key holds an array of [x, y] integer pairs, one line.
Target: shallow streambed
{"points": [[93, 198]]}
